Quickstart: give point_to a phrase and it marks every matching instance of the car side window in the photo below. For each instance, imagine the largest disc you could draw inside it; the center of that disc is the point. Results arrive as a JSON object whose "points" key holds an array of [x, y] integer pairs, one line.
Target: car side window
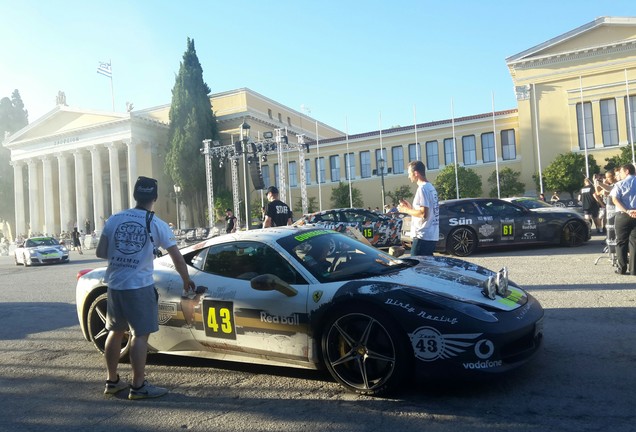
{"points": [[499, 208], [245, 260]]}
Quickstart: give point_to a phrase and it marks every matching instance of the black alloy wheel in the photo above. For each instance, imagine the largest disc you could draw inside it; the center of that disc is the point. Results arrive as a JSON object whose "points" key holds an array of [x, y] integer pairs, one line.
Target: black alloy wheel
{"points": [[96, 324], [462, 242]]}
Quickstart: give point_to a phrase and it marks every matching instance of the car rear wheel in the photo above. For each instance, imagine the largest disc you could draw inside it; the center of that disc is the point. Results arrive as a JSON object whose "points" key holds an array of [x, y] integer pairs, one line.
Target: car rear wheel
{"points": [[462, 242], [96, 324], [574, 233], [365, 351]]}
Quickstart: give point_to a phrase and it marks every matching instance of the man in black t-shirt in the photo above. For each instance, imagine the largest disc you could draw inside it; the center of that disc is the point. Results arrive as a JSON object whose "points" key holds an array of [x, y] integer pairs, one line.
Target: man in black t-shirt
{"points": [[277, 213], [230, 221], [590, 203]]}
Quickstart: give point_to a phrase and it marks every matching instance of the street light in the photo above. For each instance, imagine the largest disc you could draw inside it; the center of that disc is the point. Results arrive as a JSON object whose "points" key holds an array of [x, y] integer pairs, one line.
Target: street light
{"points": [[381, 162], [245, 136], [177, 191]]}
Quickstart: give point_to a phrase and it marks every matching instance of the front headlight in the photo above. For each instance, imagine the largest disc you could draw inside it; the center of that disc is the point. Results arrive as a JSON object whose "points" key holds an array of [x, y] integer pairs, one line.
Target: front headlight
{"points": [[33, 252]]}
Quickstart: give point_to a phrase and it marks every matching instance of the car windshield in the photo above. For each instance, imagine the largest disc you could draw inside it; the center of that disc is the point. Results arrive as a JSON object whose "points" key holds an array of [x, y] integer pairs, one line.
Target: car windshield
{"points": [[35, 242], [331, 256]]}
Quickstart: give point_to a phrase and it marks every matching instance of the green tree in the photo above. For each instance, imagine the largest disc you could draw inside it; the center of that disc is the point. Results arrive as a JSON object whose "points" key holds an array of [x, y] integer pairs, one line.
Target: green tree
{"points": [[191, 121], [340, 196], [469, 183], [567, 171], [403, 192], [13, 117], [509, 184], [312, 205], [618, 160]]}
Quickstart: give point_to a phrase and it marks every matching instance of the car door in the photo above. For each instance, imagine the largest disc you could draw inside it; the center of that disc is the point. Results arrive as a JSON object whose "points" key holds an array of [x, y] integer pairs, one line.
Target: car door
{"points": [[234, 318], [512, 223]]}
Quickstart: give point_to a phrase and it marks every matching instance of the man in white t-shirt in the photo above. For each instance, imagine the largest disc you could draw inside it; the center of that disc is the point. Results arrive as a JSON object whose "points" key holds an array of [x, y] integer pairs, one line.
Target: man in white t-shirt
{"points": [[424, 212], [129, 242]]}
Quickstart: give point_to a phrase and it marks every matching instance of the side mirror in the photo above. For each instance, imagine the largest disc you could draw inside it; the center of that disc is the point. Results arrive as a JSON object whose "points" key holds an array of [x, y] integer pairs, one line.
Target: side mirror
{"points": [[270, 282]]}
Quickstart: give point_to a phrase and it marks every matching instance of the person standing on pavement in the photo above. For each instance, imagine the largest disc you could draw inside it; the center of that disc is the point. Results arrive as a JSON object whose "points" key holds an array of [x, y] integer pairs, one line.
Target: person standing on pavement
{"points": [[230, 221], [624, 196], [591, 204], [129, 241], [77, 241], [424, 212], [277, 213]]}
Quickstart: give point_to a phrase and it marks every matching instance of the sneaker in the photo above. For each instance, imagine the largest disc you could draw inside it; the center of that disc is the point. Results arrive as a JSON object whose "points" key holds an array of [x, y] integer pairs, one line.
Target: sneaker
{"points": [[113, 387], [146, 391]]}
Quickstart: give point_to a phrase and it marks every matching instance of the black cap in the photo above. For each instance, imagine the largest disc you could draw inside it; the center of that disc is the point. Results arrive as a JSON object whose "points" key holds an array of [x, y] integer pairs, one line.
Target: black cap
{"points": [[145, 189], [228, 209], [273, 190]]}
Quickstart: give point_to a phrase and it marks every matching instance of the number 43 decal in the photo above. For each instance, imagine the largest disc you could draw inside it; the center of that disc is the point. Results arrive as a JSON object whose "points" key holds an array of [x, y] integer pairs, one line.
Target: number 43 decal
{"points": [[218, 319]]}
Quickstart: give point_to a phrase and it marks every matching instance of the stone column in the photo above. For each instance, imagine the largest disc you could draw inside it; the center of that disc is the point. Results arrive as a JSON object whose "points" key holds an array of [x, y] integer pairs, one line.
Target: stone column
{"points": [[98, 189], [18, 192], [81, 189], [50, 227], [34, 200], [66, 205], [115, 180], [132, 170]]}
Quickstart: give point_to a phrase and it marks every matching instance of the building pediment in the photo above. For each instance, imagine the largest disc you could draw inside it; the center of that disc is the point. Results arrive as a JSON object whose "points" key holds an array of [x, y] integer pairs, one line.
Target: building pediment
{"points": [[63, 120], [602, 34]]}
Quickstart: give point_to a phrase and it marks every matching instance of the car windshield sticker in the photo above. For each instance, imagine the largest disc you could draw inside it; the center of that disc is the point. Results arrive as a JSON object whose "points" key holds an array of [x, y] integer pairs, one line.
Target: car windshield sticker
{"points": [[311, 234], [507, 229], [218, 319]]}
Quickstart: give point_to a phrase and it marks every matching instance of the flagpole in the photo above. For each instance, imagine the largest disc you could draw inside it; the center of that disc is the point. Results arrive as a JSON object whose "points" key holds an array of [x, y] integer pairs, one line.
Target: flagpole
{"points": [[112, 91], [629, 115], [454, 149], [381, 157], [318, 168], [536, 131], [417, 147], [587, 168], [348, 161], [494, 134]]}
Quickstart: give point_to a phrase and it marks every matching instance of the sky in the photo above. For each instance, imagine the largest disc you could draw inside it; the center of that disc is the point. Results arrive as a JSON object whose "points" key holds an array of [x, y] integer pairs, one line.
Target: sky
{"points": [[358, 66]]}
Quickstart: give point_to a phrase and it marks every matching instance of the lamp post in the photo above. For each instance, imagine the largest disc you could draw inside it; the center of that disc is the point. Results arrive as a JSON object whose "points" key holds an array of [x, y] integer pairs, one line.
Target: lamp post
{"points": [[245, 136], [381, 163], [177, 191]]}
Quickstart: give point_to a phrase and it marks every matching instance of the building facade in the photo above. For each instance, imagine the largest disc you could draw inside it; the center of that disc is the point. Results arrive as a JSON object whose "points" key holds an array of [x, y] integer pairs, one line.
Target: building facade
{"points": [[575, 93]]}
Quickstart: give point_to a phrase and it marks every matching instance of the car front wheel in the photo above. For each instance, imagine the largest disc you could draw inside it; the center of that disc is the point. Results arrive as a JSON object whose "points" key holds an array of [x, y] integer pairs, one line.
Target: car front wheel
{"points": [[574, 233], [462, 242], [365, 351], [96, 324]]}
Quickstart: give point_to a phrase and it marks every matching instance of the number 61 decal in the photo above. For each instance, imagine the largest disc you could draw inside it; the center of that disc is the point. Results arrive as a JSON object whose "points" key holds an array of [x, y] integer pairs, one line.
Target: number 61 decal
{"points": [[218, 319]]}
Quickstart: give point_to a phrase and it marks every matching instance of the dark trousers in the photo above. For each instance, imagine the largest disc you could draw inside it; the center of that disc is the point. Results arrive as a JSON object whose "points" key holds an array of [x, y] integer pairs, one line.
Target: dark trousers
{"points": [[625, 227]]}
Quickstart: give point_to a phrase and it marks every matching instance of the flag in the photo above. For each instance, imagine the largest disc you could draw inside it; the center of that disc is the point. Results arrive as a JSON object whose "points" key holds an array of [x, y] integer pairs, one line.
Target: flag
{"points": [[105, 69]]}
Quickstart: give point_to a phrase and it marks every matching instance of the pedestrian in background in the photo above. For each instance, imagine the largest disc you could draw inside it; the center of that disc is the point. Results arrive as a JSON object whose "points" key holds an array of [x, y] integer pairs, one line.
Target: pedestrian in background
{"points": [[624, 197], [277, 213]]}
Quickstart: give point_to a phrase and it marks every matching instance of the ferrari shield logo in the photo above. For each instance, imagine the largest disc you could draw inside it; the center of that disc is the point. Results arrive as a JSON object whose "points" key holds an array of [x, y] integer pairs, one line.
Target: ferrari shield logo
{"points": [[317, 295]]}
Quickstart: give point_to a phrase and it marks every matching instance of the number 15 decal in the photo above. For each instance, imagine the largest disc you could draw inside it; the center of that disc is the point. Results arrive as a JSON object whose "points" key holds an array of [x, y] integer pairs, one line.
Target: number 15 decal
{"points": [[218, 319]]}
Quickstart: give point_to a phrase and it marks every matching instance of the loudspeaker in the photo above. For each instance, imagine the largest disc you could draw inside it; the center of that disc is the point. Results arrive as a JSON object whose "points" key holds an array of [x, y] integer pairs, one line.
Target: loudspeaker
{"points": [[257, 176]]}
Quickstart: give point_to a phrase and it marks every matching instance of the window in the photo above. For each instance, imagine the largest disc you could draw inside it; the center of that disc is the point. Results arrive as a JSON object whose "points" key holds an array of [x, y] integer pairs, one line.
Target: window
{"points": [[269, 113], [320, 170], [275, 175], [630, 106], [365, 164], [432, 155], [609, 122], [334, 166], [289, 121], [381, 155], [415, 152], [449, 151], [350, 166], [307, 171], [586, 128], [397, 153], [488, 147], [293, 174], [280, 117], [244, 260], [470, 151], [508, 149], [266, 179]]}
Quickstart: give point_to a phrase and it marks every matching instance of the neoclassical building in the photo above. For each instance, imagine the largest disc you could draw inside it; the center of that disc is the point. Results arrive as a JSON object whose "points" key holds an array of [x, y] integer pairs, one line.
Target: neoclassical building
{"points": [[575, 93]]}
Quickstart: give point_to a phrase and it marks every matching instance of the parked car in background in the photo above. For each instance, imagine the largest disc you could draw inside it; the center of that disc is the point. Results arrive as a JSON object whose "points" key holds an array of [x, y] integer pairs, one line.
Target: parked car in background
{"points": [[40, 250], [382, 230], [534, 203], [314, 299]]}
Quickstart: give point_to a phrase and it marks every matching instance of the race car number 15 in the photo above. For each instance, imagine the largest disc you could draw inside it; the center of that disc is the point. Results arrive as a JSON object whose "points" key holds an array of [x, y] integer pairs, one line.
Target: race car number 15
{"points": [[367, 232], [218, 319]]}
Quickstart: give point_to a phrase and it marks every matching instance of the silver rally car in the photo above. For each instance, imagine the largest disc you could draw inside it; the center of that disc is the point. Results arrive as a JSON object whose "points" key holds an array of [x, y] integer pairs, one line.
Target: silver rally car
{"points": [[41, 250], [313, 298]]}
